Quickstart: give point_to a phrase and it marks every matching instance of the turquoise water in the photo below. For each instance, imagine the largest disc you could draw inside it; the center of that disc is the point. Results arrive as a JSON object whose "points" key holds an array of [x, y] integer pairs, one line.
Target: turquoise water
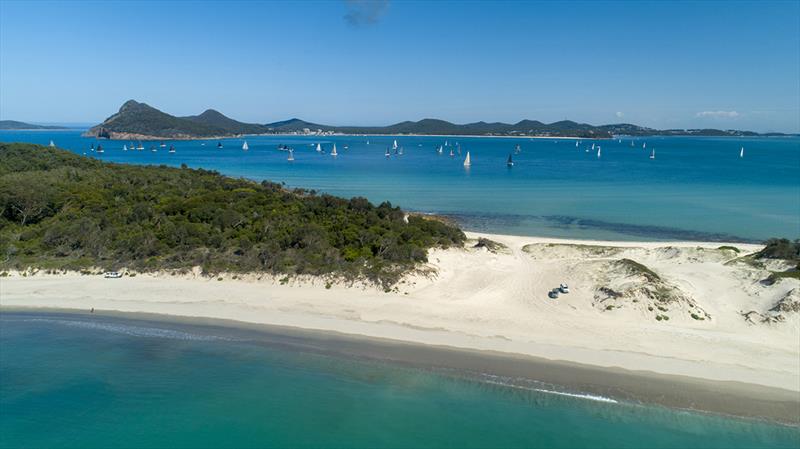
{"points": [[696, 188], [90, 381]]}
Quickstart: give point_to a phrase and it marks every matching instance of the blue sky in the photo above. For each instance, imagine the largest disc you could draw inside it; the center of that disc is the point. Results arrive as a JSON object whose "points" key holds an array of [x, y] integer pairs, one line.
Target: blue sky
{"points": [[660, 64]]}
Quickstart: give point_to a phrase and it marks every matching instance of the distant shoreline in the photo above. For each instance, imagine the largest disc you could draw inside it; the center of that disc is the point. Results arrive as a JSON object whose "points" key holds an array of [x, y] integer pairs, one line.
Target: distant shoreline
{"points": [[143, 137]]}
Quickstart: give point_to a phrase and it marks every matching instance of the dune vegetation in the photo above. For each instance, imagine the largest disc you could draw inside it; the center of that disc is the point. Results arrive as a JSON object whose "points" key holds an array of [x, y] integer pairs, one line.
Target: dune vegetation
{"points": [[59, 210]]}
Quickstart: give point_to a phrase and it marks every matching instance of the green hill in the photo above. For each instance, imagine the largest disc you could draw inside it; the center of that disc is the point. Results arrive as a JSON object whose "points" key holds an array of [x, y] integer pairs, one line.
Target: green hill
{"points": [[217, 120], [59, 210], [13, 124], [139, 120]]}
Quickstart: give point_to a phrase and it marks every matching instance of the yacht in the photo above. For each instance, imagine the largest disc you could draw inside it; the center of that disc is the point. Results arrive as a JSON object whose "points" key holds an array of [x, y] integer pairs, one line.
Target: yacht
{"points": [[510, 162], [245, 147], [467, 161]]}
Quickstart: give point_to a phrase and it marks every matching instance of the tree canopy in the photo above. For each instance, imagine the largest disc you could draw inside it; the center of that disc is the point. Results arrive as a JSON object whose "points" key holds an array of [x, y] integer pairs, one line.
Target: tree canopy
{"points": [[65, 211]]}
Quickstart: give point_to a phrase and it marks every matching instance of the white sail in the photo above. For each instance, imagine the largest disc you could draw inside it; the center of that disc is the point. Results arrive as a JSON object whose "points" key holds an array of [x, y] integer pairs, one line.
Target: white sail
{"points": [[367, 141], [644, 145], [52, 144], [440, 149], [577, 142], [467, 161], [394, 145], [291, 155], [125, 148], [451, 152], [245, 147], [333, 151], [593, 146], [598, 151], [653, 154], [741, 152], [319, 148]]}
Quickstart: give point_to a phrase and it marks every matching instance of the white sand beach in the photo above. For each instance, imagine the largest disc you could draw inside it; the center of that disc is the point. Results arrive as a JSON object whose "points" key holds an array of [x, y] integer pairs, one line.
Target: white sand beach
{"points": [[478, 299]]}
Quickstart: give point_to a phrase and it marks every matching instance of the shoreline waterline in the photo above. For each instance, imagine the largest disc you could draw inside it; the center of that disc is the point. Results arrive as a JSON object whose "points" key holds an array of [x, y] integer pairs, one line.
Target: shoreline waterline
{"points": [[580, 381]]}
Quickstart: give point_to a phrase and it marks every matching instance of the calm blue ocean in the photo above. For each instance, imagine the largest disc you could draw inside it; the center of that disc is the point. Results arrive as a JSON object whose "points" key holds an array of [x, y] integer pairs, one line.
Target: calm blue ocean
{"points": [[89, 381], [695, 188]]}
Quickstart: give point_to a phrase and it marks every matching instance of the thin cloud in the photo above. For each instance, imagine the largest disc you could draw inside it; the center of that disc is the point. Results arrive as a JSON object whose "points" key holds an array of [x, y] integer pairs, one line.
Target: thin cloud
{"points": [[620, 114], [365, 12], [718, 114]]}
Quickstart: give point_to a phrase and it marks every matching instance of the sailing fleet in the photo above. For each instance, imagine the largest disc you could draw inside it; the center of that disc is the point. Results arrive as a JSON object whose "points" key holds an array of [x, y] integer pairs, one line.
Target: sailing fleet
{"points": [[393, 149]]}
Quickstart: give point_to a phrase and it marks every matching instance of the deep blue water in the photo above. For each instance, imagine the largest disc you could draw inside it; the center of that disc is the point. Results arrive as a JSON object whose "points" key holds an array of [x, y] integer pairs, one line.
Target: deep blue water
{"points": [[695, 188], [90, 381]]}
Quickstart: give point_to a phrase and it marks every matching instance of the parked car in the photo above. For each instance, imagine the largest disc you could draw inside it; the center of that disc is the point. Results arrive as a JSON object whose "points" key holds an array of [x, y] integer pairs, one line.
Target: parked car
{"points": [[112, 275], [563, 288], [553, 293]]}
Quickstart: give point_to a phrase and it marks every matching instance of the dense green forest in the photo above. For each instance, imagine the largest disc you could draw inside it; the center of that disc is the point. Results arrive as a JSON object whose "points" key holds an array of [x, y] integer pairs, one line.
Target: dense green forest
{"points": [[59, 210]]}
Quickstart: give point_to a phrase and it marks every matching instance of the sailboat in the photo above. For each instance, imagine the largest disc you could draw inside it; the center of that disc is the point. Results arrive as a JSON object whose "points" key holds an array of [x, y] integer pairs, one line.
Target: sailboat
{"points": [[741, 152], [394, 146], [517, 149], [219, 144], [100, 149], [367, 141], [446, 144], [125, 148], [400, 150], [153, 148], [91, 148], [52, 144], [653, 154], [631, 144], [577, 143], [510, 162], [598, 151], [245, 147], [592, 146], [319, 148], [451, 152], [388, 154], [141, 146], [458, 149], [172, 148], [333, 151], [163, 145], [291, 155], [440, 149], [644, 145], [467, 161]]}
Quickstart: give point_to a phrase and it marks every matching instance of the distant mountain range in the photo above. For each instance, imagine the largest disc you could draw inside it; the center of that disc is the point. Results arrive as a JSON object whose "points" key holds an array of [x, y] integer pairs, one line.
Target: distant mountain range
{"points": [[12, 124], [143, 122]]}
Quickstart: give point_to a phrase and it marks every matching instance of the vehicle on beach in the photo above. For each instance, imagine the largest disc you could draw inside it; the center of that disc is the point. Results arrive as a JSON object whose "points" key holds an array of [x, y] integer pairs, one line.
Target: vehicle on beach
{"points": [[553, 293], [112, 275], [563, 288]]}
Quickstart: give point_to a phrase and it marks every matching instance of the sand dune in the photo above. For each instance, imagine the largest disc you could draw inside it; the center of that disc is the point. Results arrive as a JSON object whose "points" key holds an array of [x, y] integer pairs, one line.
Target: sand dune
{"points": [[678, 308]]}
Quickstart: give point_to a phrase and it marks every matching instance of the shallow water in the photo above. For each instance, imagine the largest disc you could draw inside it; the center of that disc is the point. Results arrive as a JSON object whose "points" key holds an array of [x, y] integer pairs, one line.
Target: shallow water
{"points": [[92, 381], [695, 188]]}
